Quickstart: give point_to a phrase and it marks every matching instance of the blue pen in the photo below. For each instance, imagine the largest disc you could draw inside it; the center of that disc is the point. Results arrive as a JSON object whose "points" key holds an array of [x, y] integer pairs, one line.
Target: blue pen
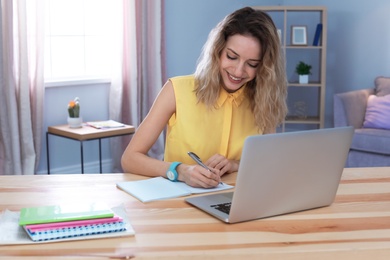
{"points": [[199, 161]]}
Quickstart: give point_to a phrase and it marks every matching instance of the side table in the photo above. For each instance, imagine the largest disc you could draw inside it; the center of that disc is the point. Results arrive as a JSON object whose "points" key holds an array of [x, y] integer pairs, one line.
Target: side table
{"points": [[85, 133]]}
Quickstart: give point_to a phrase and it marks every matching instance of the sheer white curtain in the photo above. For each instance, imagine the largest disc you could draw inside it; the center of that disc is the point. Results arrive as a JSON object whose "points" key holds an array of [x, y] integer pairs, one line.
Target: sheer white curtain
{"points": [[22, 86], [140, 76]]}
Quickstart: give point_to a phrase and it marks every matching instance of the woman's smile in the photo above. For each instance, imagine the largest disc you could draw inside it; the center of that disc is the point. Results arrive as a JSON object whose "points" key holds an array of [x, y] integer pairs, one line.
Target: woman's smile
{"points": [[239, 61]]}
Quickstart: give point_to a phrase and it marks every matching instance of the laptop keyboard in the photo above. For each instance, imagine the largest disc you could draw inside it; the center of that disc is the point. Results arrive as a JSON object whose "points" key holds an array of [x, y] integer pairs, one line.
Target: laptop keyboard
{"points": [[224, 207]]}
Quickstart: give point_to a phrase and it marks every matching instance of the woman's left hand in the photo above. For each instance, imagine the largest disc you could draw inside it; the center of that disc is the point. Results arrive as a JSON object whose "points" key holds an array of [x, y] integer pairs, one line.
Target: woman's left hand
{"points": [[223, 164]]}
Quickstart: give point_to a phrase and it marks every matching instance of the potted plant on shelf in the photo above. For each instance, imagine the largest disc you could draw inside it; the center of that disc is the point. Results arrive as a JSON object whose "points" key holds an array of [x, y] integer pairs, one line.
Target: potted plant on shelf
{"points": [[303, 70], [74, 119]]}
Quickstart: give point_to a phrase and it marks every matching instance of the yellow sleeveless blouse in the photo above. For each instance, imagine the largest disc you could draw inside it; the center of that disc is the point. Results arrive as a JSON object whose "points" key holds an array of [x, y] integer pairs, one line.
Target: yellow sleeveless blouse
{"points": [[204, 131]]}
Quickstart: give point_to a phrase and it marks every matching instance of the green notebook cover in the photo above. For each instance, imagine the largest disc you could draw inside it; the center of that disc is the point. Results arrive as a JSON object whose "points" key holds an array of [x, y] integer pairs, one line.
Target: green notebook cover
{"points": [[60, 213]]}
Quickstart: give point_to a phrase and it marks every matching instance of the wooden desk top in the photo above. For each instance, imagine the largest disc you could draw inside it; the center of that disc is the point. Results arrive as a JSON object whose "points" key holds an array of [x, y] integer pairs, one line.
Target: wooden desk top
{"points": [[87, 132], [355, 226]]}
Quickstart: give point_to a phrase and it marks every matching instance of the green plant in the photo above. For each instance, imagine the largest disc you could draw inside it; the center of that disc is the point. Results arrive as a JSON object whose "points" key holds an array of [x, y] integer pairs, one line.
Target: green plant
{"points": [[303, 68], [74, 108]]}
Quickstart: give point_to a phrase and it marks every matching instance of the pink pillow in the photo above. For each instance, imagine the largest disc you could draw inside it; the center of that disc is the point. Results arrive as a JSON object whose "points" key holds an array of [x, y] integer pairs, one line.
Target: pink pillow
{"points": [[377, 112]]}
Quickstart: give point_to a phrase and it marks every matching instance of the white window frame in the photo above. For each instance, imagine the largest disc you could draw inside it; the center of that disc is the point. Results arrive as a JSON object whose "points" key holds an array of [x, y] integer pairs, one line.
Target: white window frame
{"points": [[52, 79]]}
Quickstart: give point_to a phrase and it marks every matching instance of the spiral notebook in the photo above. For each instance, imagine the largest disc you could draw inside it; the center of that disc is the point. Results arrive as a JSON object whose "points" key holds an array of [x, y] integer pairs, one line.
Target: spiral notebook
{"points": [[61, 230], [71, 224], [11, 233], [55, 222]]}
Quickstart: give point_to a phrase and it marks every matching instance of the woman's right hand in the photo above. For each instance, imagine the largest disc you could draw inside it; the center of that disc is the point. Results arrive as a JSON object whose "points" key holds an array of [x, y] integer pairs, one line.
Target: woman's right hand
{"points": [[197, 176]]}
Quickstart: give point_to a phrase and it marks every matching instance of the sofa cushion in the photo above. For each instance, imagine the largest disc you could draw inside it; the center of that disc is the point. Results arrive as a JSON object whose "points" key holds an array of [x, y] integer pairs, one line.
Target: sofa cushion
{"points": [[371, 140], [365, 159], [377, 112], [382, 86]]}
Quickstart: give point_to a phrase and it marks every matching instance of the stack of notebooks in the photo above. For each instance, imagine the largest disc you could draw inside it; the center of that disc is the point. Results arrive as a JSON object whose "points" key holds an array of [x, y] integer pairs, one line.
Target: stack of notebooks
{"points": [[61, 222]]}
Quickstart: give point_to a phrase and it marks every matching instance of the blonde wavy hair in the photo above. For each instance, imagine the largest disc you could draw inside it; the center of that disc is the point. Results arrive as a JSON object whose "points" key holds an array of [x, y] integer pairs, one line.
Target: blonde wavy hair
{"points": [[268, 90]]}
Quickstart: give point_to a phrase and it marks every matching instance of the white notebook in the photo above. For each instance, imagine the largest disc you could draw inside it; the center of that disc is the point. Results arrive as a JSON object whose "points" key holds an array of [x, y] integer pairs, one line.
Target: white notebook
{"points": [[68, 229], [159, 188]]}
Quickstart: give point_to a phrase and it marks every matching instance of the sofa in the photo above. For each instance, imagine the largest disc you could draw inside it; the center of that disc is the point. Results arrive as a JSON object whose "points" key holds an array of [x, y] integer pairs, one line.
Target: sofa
{"points": [[368, 111]]}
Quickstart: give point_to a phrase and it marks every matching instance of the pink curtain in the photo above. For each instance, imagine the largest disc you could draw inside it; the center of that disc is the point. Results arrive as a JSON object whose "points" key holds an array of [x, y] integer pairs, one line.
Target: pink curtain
{"points": [[22, 86], [140, 77]]}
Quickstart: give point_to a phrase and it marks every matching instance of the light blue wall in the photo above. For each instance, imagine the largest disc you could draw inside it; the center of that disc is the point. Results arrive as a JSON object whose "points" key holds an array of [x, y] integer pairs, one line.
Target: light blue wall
{"points": [[188, 24], [65, 153], [358, 47], [358, 51]]}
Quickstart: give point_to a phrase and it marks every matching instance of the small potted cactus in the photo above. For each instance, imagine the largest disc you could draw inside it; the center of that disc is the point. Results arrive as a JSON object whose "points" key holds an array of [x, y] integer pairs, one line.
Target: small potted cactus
{"points": [[74, 118]]}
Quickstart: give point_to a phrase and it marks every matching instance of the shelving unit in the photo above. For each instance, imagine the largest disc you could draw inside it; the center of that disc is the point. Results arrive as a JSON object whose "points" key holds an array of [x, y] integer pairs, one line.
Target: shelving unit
{"points": [[306, 102]]}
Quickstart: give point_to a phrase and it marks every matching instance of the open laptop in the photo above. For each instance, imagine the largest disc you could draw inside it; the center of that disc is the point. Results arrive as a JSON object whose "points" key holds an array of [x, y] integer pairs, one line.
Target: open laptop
{"points": [[282, 173]]}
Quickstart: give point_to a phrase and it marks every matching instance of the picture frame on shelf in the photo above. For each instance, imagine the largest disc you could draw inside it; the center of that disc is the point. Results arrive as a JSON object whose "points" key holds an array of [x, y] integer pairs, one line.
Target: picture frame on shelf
{"points": [[298, 35]]}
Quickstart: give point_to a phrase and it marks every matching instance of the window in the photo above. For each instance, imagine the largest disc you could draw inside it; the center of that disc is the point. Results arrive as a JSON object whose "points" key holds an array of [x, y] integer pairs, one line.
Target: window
{"points": [[81, 38]]}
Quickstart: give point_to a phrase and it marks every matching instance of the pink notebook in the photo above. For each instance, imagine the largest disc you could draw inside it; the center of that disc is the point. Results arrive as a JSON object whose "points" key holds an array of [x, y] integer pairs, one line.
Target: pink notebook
{"points": [[72, 224]]}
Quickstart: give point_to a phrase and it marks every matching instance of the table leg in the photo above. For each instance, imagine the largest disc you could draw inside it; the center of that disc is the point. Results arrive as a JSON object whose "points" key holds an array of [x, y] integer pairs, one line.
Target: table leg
{"points": [[100, 154], [82, 157], [47, 153]]}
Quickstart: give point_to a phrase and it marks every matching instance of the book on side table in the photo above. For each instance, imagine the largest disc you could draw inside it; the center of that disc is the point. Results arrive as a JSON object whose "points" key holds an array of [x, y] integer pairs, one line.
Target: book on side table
{"points": [[105, 124]]}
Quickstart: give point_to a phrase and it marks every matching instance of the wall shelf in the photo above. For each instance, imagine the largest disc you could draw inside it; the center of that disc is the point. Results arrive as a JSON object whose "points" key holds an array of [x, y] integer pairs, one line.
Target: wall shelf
{"points": [[311, 95]]}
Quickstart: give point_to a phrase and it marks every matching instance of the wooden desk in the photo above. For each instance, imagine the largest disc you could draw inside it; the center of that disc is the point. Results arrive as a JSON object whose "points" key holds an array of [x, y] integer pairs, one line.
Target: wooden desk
{"points": [[355, 226], [85, 133]]}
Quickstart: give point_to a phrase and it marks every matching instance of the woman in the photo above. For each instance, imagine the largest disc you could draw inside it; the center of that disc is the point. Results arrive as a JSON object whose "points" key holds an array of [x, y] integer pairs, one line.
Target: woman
{"points": [[238, 89]]}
